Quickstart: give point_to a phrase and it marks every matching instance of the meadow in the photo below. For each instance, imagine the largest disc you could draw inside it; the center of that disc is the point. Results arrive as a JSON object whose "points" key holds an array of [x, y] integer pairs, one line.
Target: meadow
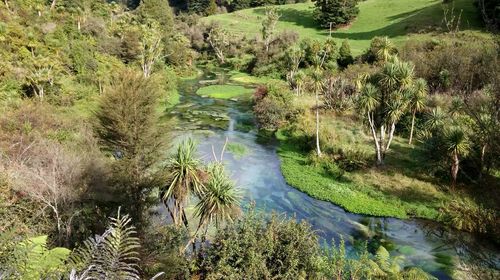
{"points": [[397, 19]]}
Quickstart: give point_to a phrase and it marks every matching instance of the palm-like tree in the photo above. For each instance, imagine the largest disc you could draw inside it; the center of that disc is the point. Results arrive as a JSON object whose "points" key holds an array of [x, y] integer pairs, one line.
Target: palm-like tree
{"points": [[417, 101], [386, 49], [185, 173], [220, 199], [435, 119], [299, 81], [457, 145], [384, 100], [219, 202]]}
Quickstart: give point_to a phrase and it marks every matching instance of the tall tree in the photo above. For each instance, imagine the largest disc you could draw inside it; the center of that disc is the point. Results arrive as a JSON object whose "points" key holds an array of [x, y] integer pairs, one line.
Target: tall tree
{"points": [[151, 46], [457, 145], [128, 128], [218, 40], [345, 55], [269, 27]]}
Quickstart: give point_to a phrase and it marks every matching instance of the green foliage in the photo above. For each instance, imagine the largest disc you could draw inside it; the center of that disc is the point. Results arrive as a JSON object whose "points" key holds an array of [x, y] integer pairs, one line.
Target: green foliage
{"points": [[219, 200], [311, 180], [31, 259], [465, 214], [237, 149], [184, 179], [128, 128], [113, 255], [345, 55], [437, 60], [335, 12], [274, 106], [257, 248]]}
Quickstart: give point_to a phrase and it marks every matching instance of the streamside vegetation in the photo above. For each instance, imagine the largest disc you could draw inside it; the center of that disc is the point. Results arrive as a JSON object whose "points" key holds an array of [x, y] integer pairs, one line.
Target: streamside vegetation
{"points": [[97, 182]]}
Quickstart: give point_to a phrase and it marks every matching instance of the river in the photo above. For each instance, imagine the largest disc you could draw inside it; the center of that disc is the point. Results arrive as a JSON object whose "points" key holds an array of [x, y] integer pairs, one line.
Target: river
{"points": [[257, 173]]}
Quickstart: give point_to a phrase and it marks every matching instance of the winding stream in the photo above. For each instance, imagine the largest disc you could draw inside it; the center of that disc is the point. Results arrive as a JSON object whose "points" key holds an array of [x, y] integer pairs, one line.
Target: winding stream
{"points": [[257, 173]]}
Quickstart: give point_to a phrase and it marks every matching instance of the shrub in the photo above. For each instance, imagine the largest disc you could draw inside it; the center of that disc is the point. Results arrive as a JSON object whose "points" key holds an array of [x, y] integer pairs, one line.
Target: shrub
{"points": [[465, 214], [257, 248], [464, 62], [274, 107]]}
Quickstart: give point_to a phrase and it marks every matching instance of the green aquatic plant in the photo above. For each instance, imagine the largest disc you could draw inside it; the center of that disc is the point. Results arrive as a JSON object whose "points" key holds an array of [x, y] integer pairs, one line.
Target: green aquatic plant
{"points": [[237, 149]]}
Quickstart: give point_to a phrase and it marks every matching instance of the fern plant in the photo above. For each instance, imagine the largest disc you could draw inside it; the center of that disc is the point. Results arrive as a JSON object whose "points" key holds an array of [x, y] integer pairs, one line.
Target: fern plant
{"points": [[112, 256], [31, 259]]}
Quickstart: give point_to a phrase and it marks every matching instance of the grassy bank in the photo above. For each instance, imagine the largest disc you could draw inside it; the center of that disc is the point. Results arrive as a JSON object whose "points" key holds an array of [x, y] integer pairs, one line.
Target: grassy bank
{"points": [[399, 189], [396, 19]]}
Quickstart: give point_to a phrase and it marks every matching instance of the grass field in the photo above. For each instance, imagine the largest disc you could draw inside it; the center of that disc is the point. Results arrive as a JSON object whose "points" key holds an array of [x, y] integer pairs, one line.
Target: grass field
{"points": [[396, 19]]}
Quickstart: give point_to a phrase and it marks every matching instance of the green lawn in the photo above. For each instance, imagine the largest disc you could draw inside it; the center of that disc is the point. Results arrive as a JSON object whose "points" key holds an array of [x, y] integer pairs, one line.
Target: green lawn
{"points": [[396, 19], [224, 91]]}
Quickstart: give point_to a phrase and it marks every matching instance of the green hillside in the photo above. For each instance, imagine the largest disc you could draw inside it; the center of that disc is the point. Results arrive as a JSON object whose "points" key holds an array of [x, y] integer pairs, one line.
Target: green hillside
{"points": [[396, 19]]}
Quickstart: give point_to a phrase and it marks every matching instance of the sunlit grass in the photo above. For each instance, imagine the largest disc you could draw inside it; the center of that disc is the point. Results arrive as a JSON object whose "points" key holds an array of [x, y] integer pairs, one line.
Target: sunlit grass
{"points": [[396, 19]]}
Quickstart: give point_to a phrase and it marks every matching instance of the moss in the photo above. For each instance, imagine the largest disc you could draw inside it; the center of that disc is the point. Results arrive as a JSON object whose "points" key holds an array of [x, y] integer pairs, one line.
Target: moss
{"points": [[245, 78], [224, 91]]}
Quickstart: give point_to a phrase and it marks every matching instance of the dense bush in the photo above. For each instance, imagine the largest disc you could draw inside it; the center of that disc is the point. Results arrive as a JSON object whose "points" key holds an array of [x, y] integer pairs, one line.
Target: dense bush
{"points": [[335, 12], [257, 248], [467, 215], [464, 62], [273, 106]]}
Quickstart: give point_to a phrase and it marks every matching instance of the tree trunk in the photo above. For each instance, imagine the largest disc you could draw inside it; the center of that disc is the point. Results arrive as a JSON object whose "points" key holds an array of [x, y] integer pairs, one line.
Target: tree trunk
{"points": [[375, 140], [412, 126], [382, 139], [481, 166], [454, 169], [391, 136], [318, 149], [53, 5], [184, 219], [41, 93]]}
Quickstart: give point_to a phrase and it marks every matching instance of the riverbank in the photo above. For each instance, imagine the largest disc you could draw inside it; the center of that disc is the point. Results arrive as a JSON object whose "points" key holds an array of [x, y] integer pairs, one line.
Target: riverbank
{"points": [[400, 189]]}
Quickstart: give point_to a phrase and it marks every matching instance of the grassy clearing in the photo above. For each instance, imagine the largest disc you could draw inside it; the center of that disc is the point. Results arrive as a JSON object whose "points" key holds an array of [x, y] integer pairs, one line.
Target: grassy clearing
{"points": [[400, 189], [224, 91], [396, 19]]}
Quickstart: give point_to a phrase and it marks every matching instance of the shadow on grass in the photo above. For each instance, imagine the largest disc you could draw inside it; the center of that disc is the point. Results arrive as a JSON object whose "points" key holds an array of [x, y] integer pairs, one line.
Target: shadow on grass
{"points": [[406, 23], [302, 18]]}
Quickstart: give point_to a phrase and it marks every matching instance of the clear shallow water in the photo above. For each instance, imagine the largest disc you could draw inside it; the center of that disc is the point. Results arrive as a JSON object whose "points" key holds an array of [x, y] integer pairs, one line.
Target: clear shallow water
{"points": [[257, 173]]}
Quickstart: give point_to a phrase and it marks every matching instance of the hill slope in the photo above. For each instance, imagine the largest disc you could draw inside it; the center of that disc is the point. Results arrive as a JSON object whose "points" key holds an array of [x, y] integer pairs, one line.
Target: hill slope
{"points": [[393, 18]]}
